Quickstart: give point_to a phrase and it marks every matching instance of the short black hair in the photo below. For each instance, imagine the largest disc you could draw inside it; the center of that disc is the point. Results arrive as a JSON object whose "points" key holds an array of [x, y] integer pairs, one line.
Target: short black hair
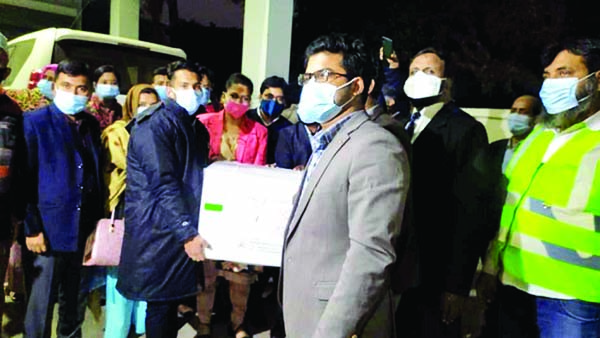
{"points": [[357, 61], [205, 71], [187, 65], [440, 53], [73, 68], [106, 69], [239, 78], [160, 71], [589, 49], [274, 82]]}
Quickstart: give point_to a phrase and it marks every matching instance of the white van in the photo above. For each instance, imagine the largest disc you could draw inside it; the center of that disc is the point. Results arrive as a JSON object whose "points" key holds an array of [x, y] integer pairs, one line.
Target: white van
{"points": [[133, 59]]}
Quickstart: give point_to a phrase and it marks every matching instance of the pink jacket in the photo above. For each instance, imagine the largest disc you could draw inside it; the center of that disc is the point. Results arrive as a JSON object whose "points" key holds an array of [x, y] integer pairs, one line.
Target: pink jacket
{"points": [[251, 144]]}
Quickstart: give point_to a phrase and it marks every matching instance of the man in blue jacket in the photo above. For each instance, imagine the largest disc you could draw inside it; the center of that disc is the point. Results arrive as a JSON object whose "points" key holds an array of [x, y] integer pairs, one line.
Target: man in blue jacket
{"points": [[161, 243], [63, 200]]}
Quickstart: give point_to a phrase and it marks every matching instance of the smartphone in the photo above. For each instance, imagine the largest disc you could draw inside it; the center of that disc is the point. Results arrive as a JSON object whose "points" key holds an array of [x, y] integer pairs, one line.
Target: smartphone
{"points": [[388, 47]]}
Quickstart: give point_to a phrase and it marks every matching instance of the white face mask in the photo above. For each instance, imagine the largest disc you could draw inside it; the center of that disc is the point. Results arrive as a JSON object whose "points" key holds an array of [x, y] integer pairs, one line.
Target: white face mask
{"points": [[421, 85], [188, 99], [141, 109]]}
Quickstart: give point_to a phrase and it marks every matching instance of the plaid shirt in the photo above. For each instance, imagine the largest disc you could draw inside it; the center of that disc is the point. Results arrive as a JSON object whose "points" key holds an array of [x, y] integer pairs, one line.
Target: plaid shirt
{"points": [[319, 143]]}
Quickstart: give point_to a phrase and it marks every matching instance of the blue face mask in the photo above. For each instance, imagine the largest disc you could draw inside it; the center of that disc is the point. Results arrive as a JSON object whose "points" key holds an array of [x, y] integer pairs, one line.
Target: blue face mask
{"points": [[69, 103], [45, 88], [204, 96], [271, 107], [162, 92], [105, 91], [560, 95], [317, 102], [519, 124]]}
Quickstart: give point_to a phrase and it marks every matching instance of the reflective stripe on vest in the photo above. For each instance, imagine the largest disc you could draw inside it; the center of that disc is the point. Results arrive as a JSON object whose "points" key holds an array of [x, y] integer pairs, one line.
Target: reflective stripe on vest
{"points": [[550, 228]]}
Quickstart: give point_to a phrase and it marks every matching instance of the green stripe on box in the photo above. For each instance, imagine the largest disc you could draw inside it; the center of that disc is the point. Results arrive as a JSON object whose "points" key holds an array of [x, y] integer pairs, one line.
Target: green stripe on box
{"points": [[213, 207]]}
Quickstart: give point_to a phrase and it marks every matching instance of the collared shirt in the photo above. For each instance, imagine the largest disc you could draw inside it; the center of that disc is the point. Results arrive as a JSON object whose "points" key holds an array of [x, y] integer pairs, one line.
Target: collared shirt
{"points": [[561, 138], [319, 143], [264, 122], [310, 137], [427, 114]]}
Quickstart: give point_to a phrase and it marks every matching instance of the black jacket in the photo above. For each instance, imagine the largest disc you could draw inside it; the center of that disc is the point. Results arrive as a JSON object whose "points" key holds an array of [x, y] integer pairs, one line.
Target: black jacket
{"points": [[273, 132], [12, 156], [162, 199], [293, 147], [447, 199]]}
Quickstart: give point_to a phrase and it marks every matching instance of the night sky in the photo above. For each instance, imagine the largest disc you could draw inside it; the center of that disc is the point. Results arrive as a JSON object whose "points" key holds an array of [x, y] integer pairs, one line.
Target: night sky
{"points": [[493, 46], [222, 13]]}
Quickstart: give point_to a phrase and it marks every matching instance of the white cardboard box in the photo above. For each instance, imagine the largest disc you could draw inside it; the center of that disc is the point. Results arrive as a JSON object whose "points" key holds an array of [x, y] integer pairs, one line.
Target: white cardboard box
{"points": [[244, 211]]}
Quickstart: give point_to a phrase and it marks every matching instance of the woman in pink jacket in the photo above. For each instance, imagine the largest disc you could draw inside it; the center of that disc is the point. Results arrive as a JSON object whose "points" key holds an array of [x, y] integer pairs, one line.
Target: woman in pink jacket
{"points": [[233, 137]]}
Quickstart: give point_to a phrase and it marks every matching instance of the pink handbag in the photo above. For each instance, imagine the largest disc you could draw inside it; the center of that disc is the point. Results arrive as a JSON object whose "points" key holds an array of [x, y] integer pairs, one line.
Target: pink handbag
{"points": [[103, 246]]}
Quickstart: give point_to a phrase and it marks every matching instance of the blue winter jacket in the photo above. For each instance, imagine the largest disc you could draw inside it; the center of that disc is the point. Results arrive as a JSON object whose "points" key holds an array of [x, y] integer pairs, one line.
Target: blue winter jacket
{"points": [[165, 162]]}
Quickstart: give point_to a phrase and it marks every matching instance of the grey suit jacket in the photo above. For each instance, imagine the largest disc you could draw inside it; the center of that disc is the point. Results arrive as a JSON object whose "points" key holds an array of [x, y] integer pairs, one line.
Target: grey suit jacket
{"points": [[339, 247]]}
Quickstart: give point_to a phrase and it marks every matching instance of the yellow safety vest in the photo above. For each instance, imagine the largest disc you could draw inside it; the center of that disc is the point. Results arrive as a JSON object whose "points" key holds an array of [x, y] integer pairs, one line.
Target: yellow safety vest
{"points": [[550, 228]]}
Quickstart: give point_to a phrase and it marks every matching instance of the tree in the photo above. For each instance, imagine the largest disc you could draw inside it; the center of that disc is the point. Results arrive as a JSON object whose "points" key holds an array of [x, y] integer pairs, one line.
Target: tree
{"points": [[493, 46]]}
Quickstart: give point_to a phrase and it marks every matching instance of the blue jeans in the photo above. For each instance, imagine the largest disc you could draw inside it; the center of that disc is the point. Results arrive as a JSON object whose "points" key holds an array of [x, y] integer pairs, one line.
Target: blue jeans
{"points": [[54, 276], [567, 318]]}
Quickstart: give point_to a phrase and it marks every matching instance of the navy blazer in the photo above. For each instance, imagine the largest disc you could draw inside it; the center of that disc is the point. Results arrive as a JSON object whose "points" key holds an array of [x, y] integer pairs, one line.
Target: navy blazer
{"points": [[293, 147], [55, 175]]}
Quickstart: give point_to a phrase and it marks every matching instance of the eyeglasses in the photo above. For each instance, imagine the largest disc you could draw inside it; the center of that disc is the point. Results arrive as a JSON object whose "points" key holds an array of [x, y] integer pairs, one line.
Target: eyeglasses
{"points": [[320, 76]]}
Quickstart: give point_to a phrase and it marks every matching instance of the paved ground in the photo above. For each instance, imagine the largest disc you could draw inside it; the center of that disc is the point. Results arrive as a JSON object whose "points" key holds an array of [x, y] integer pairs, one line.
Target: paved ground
{"points": [[12, 324]]}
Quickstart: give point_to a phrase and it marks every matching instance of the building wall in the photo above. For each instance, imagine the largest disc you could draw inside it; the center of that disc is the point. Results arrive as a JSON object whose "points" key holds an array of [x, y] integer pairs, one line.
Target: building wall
{"points": [[18, 17]]}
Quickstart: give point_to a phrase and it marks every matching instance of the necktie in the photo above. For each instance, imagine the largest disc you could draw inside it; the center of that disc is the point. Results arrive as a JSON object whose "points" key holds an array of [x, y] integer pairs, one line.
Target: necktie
{"points": [[410, 126]]}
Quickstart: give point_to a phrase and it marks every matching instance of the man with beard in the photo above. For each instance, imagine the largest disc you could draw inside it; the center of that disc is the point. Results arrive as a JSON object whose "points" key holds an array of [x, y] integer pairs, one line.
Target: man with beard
{"points": [[446, 200], [547, 251]]}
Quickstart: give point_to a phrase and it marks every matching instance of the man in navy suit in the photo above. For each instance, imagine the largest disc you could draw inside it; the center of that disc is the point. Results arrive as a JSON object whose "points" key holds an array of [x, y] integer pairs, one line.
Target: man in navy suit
{"points": [[64, 201]]}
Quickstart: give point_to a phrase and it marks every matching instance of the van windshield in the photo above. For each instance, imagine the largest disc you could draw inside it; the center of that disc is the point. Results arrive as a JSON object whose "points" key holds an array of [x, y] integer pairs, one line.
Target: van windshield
{"points": [[135, 65]]}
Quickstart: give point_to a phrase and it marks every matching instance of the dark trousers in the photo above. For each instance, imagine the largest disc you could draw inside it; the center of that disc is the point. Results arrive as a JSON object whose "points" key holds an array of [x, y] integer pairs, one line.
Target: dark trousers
{"points": [[264, 311], [419, 316], [161, 319], [4, 255], [516, 314], [51, 277]]}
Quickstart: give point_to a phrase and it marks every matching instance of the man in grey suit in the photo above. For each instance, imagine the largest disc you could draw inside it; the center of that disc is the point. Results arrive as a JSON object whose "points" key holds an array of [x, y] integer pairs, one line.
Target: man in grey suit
{"points": [[339, 243]]}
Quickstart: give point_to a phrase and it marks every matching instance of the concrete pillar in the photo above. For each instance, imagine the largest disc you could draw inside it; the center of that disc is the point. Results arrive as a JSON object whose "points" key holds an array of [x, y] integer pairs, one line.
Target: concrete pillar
{"points": [[125, 18], [267, 40]]}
